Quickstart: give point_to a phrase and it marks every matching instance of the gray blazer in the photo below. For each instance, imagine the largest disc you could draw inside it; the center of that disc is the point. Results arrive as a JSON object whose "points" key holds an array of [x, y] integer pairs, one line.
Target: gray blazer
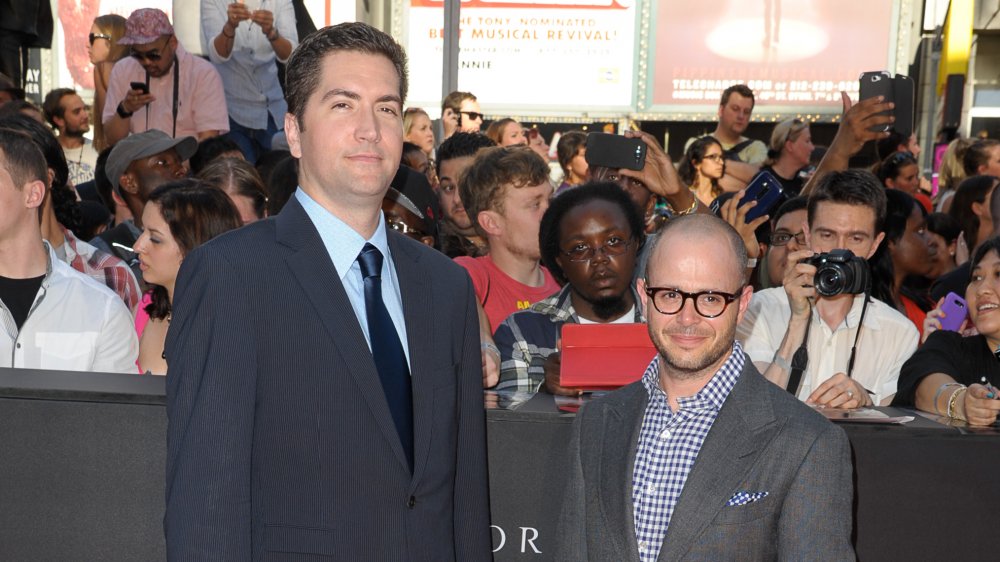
{"points": [[764, 440]]}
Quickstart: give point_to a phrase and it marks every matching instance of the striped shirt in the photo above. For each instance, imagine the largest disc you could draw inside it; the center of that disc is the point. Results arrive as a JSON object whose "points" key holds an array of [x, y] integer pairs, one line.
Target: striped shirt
{"points": [[669, 443]]}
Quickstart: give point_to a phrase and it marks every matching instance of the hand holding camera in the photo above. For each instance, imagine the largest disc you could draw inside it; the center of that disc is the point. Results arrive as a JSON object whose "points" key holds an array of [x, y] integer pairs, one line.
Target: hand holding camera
{"points": [[828, 274]]}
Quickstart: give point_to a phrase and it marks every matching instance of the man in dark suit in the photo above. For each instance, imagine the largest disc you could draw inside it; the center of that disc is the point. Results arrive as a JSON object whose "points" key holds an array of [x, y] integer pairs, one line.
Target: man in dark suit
{"points": [[719, 464], [324, 396]]}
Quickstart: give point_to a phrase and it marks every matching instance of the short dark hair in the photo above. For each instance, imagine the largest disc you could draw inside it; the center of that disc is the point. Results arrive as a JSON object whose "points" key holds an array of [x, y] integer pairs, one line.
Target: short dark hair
{"points": [[978, 154], [195, 212], [741, 89], [64, 203], [568, 146], [890, 144], [303, 73], [944, 226], [453, 101], [408, 148], [461, 144], [52, 106], [210, 149], [548, 233], [850, 187], [494, 170], [797, 203], [21, 158], [991, 244]]}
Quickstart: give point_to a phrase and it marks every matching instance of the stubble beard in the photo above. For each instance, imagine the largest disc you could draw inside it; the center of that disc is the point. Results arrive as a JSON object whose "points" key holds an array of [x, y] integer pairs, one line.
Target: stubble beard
{"points": [[684, 368]]}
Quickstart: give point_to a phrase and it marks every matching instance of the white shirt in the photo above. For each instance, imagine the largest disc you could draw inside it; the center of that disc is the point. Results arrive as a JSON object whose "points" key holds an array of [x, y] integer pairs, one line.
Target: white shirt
{"points": [[887, 341], [75, 324]]}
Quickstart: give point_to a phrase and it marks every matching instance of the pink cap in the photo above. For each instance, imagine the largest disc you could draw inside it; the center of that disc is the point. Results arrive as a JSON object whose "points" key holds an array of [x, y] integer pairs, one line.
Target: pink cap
{"points": [[146, 25]]}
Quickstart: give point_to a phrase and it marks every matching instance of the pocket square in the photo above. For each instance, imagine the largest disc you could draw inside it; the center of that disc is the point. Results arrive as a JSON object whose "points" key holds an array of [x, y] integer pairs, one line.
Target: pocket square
{"points": [[743, 498]]}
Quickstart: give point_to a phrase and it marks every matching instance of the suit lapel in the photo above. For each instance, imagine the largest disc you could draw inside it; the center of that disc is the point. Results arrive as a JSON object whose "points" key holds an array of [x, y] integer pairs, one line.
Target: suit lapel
{"points": [[743, 428], [310, 264], [620, 441], [417, 302]]}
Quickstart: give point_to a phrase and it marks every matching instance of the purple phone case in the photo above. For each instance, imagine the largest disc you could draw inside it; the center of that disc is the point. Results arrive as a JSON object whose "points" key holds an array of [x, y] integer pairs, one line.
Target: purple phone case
{"points": [[955, 311]]}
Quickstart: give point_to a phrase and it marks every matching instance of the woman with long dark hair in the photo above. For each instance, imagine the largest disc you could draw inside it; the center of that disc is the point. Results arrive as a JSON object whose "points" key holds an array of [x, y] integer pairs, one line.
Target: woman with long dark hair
{"points": [[179, 217], [702, 167]]}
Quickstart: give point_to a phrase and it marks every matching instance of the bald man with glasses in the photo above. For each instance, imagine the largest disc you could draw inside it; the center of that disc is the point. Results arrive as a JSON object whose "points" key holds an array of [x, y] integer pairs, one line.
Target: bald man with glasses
{"points": [[703, 458], [181, 94]]}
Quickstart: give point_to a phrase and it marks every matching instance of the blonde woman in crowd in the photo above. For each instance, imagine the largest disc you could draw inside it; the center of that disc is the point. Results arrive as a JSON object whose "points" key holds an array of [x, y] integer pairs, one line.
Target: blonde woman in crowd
{"points": [[104, 52]]}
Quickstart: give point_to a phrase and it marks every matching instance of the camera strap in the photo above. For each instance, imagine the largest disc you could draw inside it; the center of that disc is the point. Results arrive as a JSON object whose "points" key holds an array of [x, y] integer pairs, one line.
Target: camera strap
{"points": [[857, 333], [799, 361], [801, 357]]}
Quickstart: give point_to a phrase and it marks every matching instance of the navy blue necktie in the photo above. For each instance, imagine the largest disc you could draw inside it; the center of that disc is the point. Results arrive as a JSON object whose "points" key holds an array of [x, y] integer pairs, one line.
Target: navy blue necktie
{"points": [[390, 361]]}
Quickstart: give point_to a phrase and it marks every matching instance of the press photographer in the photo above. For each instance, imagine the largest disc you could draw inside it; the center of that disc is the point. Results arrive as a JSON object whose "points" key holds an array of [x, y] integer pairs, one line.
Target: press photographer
{"points": [[821, 335]]}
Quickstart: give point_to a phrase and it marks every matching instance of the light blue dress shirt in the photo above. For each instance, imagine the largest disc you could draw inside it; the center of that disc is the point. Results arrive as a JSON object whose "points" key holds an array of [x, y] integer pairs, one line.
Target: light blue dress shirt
{"points": [[344, 245], [249, 74]]}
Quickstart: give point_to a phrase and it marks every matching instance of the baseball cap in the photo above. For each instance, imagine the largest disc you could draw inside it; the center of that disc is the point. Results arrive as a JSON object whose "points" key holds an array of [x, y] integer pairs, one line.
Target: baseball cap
{"points": [[146, 25], [141, 145]]}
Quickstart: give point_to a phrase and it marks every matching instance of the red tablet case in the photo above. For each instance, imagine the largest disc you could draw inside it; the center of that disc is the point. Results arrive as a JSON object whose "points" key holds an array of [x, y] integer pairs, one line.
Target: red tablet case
{"points": [[604, 356]]}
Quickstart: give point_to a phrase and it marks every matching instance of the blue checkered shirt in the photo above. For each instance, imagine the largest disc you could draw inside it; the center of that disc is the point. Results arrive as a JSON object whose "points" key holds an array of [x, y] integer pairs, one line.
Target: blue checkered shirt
{"points": [[669, 443]]}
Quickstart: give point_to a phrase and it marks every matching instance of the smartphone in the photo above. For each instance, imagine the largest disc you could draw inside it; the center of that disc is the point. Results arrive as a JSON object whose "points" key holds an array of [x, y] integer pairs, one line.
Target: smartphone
{"points": [[766, 190], [140, 86], [878, 83], [955, 311], [902, 96], [615, 151]]}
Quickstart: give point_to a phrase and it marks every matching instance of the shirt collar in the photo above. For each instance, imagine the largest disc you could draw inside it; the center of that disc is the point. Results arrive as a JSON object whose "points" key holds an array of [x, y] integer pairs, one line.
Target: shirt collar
{"points": [[713, 394], [342, 242], [854, 314]]}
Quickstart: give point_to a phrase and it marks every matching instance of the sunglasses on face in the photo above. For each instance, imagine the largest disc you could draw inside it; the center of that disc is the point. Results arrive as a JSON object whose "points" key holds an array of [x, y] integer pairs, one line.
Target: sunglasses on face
{"points": [[95, 36], [153, 55], [472, 115]]}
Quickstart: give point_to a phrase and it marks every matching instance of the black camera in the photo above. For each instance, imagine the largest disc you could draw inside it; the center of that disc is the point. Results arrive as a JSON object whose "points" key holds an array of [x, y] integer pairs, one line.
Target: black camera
{"points": [[840, 272]]}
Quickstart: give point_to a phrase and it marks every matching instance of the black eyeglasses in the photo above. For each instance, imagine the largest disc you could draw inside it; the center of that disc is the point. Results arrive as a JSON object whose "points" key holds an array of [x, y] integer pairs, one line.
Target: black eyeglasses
{"points": [[475, 116], [95, 36], [709, 304], [153, 55], [781, 238], [614, 246], [714, 157]]}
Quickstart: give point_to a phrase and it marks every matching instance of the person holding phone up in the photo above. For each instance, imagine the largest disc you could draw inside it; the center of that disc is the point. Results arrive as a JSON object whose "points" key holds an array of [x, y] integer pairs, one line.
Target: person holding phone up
{"points": [[954, 373], [245, 44]]}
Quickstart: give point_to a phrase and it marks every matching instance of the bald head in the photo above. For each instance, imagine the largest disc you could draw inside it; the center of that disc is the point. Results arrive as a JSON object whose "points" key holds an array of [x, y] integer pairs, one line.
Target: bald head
{"points": [[713, 238]]}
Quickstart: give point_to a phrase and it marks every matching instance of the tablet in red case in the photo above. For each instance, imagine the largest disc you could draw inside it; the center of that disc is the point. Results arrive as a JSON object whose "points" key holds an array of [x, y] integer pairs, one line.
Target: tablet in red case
{"points": [[604, 356]]}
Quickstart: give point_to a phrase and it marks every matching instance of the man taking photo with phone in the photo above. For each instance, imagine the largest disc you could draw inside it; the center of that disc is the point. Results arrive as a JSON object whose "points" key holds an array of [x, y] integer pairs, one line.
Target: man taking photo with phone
{"points": [[842, 350]]}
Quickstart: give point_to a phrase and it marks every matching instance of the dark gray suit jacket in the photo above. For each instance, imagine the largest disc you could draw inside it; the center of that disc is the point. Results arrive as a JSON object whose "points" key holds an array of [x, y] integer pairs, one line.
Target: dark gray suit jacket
{"points": [[280, 441], [764, 440]]}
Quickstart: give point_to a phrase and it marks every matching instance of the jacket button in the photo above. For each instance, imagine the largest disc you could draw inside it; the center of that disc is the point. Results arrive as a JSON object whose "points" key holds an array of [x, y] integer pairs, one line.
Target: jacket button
{"points": [[411, 502]]}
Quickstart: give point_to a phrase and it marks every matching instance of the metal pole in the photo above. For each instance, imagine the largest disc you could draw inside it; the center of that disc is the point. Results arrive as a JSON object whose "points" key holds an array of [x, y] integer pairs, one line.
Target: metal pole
{"points": [[449, 62]]}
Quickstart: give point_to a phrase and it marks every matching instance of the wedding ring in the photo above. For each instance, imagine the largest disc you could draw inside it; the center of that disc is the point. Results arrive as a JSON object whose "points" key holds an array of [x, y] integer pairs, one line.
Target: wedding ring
{"points": [[850, 394]]}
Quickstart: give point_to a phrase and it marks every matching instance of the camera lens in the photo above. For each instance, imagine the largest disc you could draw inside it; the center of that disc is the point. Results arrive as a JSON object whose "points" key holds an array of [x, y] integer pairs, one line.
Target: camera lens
{"points": [[830, 281]]}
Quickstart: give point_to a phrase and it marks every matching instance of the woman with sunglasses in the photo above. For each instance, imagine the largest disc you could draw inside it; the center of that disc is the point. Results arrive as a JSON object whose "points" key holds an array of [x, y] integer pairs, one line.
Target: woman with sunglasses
{"points": [[788, 154], [702, 167], [104, 52]]}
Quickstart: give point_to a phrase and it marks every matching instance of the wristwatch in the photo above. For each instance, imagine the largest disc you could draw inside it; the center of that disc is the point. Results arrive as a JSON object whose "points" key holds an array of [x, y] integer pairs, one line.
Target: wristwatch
{"points": [[121, 111]]}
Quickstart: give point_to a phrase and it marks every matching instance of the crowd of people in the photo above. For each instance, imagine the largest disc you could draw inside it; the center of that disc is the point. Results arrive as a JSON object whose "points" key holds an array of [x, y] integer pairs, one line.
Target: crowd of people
{"points": [[104, 237]]}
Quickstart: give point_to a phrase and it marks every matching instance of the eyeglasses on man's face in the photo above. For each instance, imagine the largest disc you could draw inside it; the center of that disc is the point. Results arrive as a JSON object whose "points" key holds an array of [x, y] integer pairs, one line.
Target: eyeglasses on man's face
{"points": [[473, 115], [783, 237], [709, 304], [614, 246]]}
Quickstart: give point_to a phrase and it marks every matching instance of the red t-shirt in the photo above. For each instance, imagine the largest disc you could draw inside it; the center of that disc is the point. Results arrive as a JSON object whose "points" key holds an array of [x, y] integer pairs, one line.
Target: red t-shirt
{"points": [[499, 293]]}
